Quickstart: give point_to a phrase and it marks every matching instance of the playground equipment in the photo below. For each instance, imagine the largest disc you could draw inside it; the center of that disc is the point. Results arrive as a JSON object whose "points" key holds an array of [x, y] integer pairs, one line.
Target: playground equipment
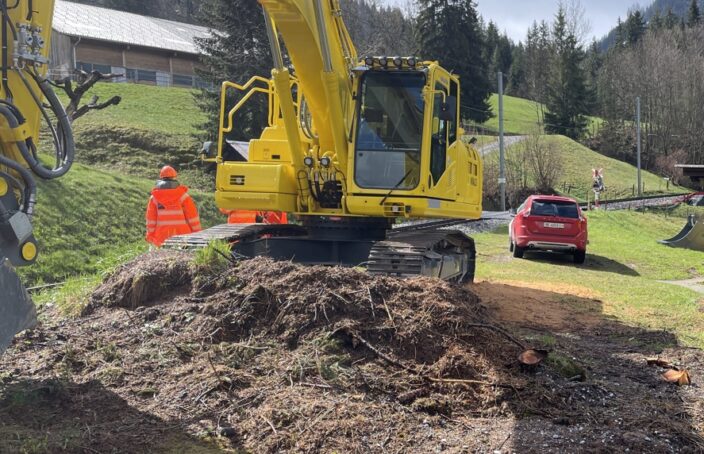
{"points": [[690, 237]]}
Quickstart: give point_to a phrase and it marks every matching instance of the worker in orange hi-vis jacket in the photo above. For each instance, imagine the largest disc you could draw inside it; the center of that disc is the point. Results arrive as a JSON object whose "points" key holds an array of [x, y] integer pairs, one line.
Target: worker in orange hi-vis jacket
{"points": [[255, 217], [171, 211]]}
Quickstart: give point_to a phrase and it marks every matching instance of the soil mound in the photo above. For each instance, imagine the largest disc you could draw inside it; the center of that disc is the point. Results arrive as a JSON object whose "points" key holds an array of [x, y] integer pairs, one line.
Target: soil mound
{"points": [[273, 357], [269, 346]]}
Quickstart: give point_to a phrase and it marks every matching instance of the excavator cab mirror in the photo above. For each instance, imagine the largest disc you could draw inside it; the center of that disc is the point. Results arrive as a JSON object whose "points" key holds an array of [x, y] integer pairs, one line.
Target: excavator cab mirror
{"points": [[448, 109], [372, 115], [209, 150]]}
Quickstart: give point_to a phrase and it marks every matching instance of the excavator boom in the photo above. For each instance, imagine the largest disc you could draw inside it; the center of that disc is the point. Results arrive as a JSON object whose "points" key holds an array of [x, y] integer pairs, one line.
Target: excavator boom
{"points": [[27, 99]]}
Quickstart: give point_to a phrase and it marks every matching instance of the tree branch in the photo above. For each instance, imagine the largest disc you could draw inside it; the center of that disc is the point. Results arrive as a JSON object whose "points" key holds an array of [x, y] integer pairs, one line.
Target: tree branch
{"points": [[84, 82]]}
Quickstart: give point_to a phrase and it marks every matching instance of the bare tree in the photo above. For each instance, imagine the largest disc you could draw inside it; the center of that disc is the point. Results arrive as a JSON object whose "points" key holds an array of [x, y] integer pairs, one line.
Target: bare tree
{"points": [[84, 82], [578, 24], [544, 161]]}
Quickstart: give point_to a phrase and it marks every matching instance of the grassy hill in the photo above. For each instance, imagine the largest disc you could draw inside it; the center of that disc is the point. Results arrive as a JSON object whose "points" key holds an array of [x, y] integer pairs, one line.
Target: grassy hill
{"points": [[151, 127], [521, 116], [94, 216], [90, 218], [576, 176]]}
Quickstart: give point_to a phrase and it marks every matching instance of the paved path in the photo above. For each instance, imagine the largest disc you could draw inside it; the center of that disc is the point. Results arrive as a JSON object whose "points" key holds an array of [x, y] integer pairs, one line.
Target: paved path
{"points": [[494, 146], [696, 284]]}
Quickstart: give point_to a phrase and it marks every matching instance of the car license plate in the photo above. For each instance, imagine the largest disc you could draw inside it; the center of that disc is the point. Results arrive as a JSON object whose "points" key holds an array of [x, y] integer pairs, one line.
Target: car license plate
{"points": [[554, 225]]}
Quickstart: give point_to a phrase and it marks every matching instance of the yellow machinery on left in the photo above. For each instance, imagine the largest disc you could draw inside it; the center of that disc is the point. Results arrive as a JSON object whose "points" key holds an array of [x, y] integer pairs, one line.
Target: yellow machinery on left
{"points": [[28, 104]]}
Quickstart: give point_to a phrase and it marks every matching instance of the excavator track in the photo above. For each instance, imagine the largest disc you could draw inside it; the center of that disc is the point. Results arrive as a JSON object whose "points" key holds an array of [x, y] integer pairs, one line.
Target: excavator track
{"points": [[417, 250], [444, 254]]}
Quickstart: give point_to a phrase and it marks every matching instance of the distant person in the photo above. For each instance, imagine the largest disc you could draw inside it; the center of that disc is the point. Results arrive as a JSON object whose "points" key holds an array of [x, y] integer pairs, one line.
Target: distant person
{"points": [[171, 211], [598, 185]]}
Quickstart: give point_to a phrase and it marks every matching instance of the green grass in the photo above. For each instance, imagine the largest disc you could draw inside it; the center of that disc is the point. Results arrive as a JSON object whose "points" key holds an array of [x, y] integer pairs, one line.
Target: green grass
{"points": [[91, 216], [521, 116], [624, 265], [578, 161], [169, 111], [151, 127]]}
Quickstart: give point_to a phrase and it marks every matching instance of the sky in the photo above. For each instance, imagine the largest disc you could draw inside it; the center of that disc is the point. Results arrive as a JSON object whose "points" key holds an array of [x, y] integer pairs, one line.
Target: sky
{"points": [[515, 16]]}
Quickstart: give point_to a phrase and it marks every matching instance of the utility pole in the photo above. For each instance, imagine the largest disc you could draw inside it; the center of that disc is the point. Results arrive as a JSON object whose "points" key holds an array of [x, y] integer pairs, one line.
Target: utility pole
{"points": [[640, 186], [502, 156]]}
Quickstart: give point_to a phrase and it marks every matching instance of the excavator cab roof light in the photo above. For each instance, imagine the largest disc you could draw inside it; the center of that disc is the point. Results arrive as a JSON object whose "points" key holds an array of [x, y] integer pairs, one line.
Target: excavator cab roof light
{"points": [[398, 62], [412, 61], [369, 61], [384, 62]]}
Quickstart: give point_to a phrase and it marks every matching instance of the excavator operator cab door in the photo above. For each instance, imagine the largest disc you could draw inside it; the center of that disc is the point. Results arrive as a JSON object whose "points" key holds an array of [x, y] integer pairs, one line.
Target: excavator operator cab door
{"points": [[441, 141]]}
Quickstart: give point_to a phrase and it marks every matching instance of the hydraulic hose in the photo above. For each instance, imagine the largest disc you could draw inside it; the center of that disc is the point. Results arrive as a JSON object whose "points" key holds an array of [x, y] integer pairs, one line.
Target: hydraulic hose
{"points": [[30, 186], [64, 142]]}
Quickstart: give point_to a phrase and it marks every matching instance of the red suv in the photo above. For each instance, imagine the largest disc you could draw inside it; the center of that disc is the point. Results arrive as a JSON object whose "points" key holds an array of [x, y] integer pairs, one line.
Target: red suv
{"points": [[549, 223]]}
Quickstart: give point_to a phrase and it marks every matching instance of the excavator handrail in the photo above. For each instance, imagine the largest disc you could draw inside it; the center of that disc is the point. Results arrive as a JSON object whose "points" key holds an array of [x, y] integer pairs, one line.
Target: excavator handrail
{"points": [[269, 90], [249, 87]]}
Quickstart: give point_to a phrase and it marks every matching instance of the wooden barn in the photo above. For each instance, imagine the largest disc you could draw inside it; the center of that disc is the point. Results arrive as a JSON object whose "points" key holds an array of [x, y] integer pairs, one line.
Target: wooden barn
{"points": [[143, 49]]}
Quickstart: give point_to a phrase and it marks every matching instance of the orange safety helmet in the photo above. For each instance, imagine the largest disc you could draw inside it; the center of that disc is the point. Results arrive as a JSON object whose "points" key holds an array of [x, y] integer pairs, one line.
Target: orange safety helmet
{"points": [[168, 172]]}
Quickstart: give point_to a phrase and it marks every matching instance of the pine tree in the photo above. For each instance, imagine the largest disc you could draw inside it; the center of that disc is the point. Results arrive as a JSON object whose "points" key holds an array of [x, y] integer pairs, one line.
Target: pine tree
{"points": [[671, 20], [449, 31], [635, 27], [656, 22], [568, 97], [236, 52], [693, 15]]}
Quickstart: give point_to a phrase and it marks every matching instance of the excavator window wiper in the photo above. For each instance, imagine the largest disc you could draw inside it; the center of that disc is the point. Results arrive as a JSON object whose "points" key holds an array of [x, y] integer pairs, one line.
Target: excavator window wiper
{"points": [[395, 187]]}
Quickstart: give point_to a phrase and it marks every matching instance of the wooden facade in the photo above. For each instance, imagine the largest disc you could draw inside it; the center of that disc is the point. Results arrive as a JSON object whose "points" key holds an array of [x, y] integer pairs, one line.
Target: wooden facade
{"points": [[137, 64]]}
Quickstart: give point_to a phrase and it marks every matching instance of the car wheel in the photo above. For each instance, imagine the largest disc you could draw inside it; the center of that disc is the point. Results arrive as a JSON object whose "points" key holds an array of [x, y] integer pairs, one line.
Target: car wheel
{"points": [[580, 257], [518, 251]]}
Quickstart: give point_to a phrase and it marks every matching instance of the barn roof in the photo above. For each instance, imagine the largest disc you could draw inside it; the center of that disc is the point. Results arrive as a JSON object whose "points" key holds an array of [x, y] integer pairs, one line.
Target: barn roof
{"points": [[92, 22]]}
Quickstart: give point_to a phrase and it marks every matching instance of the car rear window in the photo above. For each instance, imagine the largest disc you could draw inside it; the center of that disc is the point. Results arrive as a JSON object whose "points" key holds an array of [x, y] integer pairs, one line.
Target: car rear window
{"points": [[555, 208]]}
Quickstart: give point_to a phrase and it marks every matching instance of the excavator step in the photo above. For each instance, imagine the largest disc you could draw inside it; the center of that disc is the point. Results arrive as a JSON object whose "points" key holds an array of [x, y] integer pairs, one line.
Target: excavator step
{"points": [[231, 233]]}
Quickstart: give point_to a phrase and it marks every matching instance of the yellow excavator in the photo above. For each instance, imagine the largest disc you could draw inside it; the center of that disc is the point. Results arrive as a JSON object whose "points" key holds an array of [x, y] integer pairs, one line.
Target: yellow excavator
{"points": [[27, 101], [352, 145]]}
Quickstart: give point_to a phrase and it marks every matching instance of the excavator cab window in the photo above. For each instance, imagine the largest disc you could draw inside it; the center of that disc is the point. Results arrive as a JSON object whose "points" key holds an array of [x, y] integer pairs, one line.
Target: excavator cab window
{"points": [[389, 130]]}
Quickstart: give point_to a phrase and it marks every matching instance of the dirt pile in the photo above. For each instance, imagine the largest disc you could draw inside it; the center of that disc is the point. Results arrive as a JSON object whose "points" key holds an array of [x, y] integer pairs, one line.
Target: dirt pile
{"points": [[281, 357], [275, 357]]}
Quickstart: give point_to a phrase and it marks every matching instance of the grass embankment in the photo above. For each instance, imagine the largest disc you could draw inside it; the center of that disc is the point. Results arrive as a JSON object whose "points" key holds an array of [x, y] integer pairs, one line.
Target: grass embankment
{"points": [[151, 127], [577, 162], [93, 218], [624, 265], [90, 216]]}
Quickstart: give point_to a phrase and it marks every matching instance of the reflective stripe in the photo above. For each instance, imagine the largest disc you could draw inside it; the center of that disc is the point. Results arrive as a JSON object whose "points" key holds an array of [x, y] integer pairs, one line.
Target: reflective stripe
{"points": [[151, 230], [161, 223], [192, 220], [183, 198], [170, 212], [151, 222]]}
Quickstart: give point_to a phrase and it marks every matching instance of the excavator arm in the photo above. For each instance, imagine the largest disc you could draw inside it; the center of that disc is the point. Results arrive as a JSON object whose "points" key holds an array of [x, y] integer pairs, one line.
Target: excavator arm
{"points": [[27, 103]]}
